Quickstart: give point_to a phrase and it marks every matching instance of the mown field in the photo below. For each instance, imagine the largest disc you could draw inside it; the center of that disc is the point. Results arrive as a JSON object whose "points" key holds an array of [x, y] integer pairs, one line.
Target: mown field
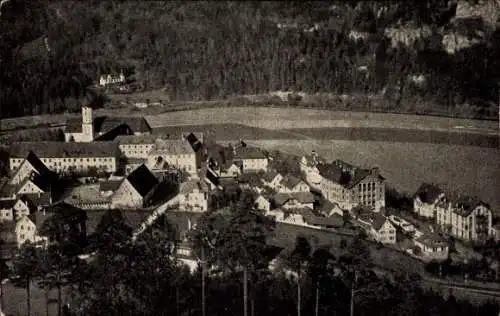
{"points": [[291, 118]]}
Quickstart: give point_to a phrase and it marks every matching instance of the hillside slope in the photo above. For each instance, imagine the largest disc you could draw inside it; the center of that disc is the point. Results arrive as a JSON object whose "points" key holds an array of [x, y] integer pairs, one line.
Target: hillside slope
{"points": [[418, 56]]}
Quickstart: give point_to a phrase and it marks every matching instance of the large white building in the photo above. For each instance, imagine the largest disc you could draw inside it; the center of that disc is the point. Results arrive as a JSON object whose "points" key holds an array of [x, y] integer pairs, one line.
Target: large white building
{"points": [[465, 217], [349, 186], [427, 200], [176, 153], [108, 79], [66, 157]]}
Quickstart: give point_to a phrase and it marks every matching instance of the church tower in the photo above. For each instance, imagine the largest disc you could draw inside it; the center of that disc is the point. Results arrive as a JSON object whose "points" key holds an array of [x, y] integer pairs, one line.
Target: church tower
{"points": [[87, 124]]}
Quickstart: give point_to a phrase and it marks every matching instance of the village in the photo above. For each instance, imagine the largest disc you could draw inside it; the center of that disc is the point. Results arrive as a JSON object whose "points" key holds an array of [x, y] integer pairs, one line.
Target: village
{"points": [[118, 163]]}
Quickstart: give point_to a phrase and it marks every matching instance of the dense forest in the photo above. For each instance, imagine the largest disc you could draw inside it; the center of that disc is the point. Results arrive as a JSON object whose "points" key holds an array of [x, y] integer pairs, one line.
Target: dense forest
{"points": [[434, 56]]}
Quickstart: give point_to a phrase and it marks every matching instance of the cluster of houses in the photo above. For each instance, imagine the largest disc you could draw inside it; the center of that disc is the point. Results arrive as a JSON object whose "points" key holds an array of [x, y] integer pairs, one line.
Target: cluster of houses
{"points": [[121, 164]]}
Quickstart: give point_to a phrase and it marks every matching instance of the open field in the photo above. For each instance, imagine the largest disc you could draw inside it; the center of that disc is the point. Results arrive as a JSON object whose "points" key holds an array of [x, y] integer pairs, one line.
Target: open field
{"points": [[228, 132], [468, 170], [291, 118]]}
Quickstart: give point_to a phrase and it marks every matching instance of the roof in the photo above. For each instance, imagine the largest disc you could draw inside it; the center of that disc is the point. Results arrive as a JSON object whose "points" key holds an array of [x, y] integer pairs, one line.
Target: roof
{"points": [[313, 159], [111, 135], [7, 204], [302, 197], [378, 221], [43, 182], [139, 139], [7, 189], [132, 218], [464, 205], [332, 221], [270, 175], [39, 217], [143, 180], [327, 206], [43, 199], [104, 124], [290, 181], [432, 239], [194, 142], [37, 164], [163, 192], [220, 154], [428, 193], [189, 186], [345, 174], [52, 149], [110, 185], [249, 153], [173, 147]]}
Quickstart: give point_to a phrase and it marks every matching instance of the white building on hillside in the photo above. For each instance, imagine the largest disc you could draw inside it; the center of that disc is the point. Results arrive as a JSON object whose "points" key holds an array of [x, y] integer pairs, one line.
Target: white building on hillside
{"points": [[108, 79]]}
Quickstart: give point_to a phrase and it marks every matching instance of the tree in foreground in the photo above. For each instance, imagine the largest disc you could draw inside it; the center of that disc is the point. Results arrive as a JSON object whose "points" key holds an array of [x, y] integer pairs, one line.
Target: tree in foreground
{"points": [[26, 264], [235, 240]]}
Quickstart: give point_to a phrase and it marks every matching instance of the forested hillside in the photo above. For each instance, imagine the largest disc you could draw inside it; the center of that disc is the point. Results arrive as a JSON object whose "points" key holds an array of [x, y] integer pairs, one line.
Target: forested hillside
{"points": [[422, 56]]}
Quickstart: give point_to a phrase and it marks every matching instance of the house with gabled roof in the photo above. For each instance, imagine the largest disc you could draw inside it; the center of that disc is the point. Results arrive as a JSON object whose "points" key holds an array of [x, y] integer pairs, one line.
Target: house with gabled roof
{"points": [[262, 203], [290, 184], [135, 189], [29, 165], [432, 246], [7, 210], [252, 159], [426, 200], [308, 167], [294, 200], [272, 179], [466, 217], [350, 186], [193, 196], [378, 227], [172, 153], [327, 208]]}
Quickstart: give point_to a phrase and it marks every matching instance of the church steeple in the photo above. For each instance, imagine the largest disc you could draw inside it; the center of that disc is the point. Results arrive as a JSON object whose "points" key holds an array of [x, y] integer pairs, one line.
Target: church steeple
{"points": [[87, 124]]}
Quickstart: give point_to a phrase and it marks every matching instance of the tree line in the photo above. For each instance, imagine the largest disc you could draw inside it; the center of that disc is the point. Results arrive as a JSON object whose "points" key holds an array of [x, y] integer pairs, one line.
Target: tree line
{"points": [[198, 50], [144, 277]]}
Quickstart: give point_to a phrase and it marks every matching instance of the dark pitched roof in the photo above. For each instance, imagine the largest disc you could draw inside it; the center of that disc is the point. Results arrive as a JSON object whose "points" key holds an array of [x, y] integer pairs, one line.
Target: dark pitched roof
{"points": [[212, 178], [378, 221], [136, 124], [270, 175], [428, 193], [220, 154], [7, 204], [105, 124], [464, 205], [345, 174], [37, 164], [143, 180], [43, 182], [290, 181], [52, 149], [122, 129], [194, 142], [303, 197], [327, 206], [249, 153]]}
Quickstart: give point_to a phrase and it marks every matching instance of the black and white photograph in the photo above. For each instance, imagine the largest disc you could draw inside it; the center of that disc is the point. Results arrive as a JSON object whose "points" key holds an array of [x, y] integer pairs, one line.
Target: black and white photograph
{"points": [[249, 158]]}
